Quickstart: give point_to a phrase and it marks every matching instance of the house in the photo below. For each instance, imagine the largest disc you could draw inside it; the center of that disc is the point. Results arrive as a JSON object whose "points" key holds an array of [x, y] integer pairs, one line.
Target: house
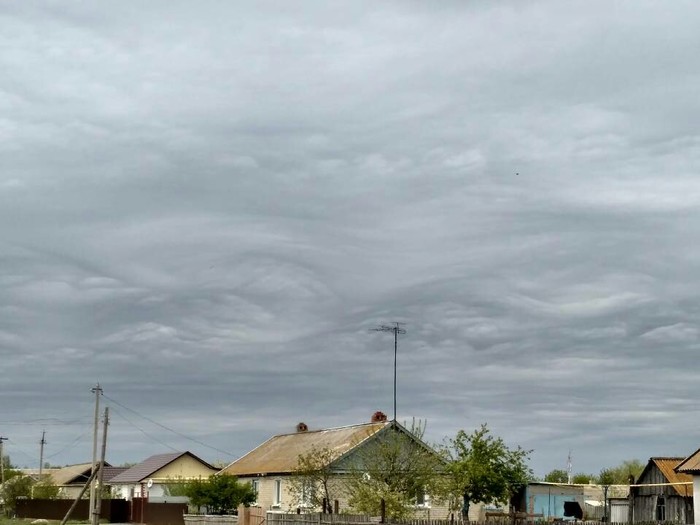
{"points": [[151, 477], [669, 496], [270, 466], [690, 466], [72, 478]]}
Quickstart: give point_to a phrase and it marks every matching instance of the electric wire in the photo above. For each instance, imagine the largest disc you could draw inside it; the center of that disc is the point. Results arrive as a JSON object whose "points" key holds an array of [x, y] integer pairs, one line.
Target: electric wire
{"points": [[142, 430], [70, 445], [167, 428]]}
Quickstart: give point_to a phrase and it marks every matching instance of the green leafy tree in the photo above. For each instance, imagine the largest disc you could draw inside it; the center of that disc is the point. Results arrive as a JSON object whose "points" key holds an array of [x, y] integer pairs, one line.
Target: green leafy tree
{"points": [[45, 489], [18, 486], [395, 466], [606, 477], [620, 475], [582, 478], [220, 493], [175, 487], [313, 482], [557, 476], [483, 469]]}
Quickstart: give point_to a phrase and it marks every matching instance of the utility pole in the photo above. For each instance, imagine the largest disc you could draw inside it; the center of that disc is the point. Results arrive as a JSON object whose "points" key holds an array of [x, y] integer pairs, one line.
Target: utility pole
{"points": [[100, 476], [41, 453], [396, 329], [2, 462], [98, 392]]}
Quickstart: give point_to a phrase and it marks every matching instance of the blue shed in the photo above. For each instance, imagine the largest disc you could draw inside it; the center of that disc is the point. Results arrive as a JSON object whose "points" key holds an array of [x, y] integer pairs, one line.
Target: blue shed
{"points": [[549, 500]]}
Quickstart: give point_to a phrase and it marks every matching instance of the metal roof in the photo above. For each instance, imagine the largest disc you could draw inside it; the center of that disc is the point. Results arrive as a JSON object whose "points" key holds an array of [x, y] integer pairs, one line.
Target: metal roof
{"points": [[280, 454], [690, 465], [149, 466], [667, 467]]}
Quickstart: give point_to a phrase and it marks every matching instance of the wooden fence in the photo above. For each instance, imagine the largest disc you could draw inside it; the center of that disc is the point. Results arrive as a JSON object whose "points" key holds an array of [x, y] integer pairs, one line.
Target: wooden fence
{"points": [[316, 518]]}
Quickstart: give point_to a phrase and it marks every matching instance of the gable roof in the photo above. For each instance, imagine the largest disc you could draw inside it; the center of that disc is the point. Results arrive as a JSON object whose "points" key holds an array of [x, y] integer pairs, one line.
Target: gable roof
{"points": [[72, 474], [280, 454], [690, 465], [667, 466], [149, 466], [112, 472]]}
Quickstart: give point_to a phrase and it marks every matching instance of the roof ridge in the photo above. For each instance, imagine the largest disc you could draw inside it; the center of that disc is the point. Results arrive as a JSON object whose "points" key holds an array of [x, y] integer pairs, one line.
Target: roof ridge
{"points": [[331, 428]]}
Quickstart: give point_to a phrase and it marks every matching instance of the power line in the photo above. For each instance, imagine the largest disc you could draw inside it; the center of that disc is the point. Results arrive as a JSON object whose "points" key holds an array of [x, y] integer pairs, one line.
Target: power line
{"points": [[143, 431], [167, 428], [70, 445]]}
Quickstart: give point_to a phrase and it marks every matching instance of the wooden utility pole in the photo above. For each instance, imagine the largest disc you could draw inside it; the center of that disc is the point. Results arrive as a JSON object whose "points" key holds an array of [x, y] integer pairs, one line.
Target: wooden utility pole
{"points": [[80, 495], [97, 391], [100, 477], [41, 453], [2, 462]]}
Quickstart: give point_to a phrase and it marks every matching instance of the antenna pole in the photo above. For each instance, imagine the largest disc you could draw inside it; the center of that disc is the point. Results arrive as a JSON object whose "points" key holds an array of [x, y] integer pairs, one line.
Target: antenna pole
{"points": [[396, 329]]}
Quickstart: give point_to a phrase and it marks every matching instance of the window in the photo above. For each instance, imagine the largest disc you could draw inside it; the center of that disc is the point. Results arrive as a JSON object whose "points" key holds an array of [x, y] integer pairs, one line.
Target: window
{"points": [[421, 498], [277, 496], [255, 485], [307, 493], [660, 509]]}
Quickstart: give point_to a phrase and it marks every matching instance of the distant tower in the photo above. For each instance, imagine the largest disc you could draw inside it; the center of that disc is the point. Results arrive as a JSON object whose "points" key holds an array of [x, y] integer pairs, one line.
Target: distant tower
{"points": [[568, 467]]}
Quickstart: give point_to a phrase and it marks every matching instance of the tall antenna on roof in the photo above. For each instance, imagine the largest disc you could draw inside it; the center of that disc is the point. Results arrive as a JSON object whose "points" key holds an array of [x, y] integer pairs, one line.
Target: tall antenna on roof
{"points": [[396, 329], [568, 468]]}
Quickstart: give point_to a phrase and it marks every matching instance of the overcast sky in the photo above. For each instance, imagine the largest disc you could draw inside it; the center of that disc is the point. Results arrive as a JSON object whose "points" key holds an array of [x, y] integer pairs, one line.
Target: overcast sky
{"points": [[206, 206]]}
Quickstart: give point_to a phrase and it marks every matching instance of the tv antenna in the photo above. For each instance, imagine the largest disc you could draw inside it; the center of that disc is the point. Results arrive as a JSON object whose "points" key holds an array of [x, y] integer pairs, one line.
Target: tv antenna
{"points": [[397, 329]]}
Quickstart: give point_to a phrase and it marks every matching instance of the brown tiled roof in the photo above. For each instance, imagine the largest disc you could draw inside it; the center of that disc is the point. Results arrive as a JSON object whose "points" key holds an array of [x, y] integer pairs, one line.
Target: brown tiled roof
{"points": [[667, 466], [111, 472], [280, 454], [690, 465], [147, 467]]}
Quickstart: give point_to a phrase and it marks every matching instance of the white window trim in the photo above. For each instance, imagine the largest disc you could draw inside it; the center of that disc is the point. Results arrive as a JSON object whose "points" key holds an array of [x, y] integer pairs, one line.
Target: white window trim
{"points": [[277, 494], [425, 504], [255, 484]]}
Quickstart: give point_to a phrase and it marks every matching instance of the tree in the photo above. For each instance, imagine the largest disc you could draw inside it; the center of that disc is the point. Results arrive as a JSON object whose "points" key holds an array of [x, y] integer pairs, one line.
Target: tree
{"points": [[175, 487], [18, 486], [483, 469], [395, 466], [606, 478], [620, 475], [314, 484], [582, 478], [557, 476], [220, 493], [45, 489]]}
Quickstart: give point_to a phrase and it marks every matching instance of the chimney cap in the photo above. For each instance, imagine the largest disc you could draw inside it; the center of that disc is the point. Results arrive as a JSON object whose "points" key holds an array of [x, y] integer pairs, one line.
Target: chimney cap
{"points": [[302, 427]]}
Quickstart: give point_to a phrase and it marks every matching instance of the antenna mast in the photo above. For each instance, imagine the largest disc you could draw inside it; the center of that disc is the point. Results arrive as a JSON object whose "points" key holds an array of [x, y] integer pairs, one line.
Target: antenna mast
{"points": [[568, 467], [396, 329]]}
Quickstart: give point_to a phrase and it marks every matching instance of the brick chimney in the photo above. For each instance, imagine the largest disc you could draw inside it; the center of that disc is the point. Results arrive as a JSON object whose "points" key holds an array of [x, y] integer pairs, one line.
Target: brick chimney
{"points": [[302, 427], [378, 417]]}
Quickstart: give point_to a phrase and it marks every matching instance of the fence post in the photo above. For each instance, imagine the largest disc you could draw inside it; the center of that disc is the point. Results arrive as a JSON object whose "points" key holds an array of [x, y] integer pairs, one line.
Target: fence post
{"points": [[383, 511]]}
